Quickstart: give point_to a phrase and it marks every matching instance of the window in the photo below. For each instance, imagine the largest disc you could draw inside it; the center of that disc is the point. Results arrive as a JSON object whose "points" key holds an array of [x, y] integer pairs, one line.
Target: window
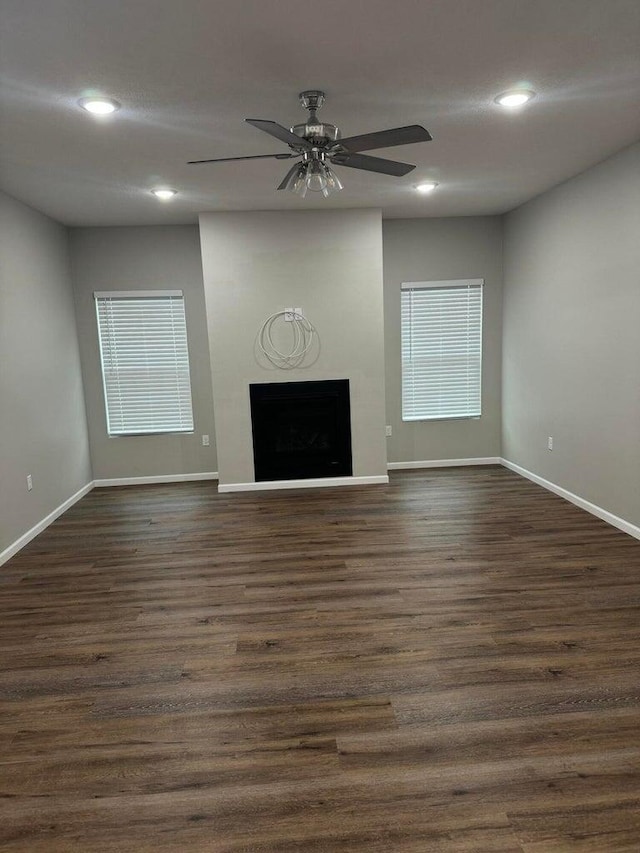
{"points": [[145, 361], [441, 349]]}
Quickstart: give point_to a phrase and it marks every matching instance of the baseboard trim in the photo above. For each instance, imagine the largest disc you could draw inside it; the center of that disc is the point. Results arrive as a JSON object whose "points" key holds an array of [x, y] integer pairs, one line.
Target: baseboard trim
{"points": [[159, 478], [13, 549], [319, 483], [445, 463], [603, 514], [594, 509]]}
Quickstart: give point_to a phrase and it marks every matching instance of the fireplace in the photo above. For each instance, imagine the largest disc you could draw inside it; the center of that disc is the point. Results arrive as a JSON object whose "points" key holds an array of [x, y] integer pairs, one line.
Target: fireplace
{"points": [[301, 430]]}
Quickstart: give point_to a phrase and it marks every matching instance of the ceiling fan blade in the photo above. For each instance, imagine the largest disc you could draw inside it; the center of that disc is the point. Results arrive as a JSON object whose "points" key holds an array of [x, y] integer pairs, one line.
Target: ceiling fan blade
{"points": [[288, 176], [372, 164], [387, 138], [250, 157], [280, 132]]}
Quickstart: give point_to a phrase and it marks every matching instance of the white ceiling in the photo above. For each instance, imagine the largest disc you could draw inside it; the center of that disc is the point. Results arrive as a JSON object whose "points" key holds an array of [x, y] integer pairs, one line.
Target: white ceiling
{"points": [[187, 72]]}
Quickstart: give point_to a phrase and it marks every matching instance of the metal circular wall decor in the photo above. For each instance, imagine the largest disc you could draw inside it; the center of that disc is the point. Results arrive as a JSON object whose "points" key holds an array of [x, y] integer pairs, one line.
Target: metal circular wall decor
{"points": [[303, 336]]}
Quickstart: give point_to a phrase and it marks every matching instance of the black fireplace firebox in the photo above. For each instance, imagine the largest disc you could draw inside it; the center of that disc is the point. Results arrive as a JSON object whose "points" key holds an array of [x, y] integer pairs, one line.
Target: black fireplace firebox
{"points": [[301, 430]]}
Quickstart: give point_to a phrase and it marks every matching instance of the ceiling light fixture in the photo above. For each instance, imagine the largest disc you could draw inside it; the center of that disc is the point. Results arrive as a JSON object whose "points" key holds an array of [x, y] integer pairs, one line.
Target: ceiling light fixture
{"points": [[164, 194], [99, 106], [314, 174], [515, 97], [426, 187]]}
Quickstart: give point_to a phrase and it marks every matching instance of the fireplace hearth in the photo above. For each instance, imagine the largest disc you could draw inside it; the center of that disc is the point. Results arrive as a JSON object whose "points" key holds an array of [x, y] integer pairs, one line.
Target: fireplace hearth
{"points": [[301, 430]]}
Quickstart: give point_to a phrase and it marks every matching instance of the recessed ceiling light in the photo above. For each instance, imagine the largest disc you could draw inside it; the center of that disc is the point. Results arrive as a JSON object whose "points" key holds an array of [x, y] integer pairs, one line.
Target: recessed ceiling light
{"points": [[426, 187], [99, 106], [164, 194], [515, 97]]}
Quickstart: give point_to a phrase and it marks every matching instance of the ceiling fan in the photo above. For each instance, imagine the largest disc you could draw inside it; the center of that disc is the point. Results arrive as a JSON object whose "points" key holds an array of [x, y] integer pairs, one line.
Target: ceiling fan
{"points": [[320, 146]]}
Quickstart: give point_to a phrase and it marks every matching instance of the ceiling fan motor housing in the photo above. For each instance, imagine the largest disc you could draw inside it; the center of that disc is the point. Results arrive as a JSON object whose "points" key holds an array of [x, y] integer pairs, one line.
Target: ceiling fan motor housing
{"points": [[317, 133], [314, 131]]}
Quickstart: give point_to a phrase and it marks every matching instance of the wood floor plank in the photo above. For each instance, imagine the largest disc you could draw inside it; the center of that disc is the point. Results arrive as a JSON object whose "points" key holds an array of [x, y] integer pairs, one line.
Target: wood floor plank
{"points": [[447, 664]]}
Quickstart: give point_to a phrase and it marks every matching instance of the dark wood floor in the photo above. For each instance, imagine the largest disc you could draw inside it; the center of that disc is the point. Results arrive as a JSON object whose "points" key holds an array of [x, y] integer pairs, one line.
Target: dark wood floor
{"points": [[446, 664]]}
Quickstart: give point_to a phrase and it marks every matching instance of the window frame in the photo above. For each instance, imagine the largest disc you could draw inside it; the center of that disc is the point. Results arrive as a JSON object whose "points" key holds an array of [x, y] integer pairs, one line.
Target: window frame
{"points": [[181, 367], [411, 411]]}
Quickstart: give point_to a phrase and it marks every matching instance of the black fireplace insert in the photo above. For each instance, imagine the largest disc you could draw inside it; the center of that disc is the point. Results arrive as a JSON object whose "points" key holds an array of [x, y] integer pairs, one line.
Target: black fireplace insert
{"points": [[301, 430]]}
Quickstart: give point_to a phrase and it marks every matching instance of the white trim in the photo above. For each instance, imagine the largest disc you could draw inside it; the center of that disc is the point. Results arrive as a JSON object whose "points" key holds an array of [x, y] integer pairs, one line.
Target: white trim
{"points": [[160, 478], [452, 282], [445, 463], [13, 549], [135, 294], [594, 509], [313, 483]]}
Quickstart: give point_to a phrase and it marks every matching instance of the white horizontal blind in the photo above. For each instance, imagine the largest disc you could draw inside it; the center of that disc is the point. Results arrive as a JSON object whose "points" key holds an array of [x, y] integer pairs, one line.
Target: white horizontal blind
{"points": [[145, 362], [441, 349]]}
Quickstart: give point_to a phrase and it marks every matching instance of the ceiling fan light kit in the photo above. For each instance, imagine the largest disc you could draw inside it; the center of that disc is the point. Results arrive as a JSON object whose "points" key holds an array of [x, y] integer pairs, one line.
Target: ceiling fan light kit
{"points": [[320, 145], [314, 174]]}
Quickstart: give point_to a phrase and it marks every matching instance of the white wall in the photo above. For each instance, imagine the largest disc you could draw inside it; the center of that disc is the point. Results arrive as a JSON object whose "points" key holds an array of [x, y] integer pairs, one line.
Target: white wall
{"points": [[330, 264], [572, 335], [152, 258], [43, 429], [438, 249]]}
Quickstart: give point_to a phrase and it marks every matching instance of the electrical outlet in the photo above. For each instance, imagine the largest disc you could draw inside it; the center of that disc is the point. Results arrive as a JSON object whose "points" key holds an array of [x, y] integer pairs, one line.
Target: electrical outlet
{"points": [[298, 312], [550, 443], [388, 430], [205, 441], [29, 482]]}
